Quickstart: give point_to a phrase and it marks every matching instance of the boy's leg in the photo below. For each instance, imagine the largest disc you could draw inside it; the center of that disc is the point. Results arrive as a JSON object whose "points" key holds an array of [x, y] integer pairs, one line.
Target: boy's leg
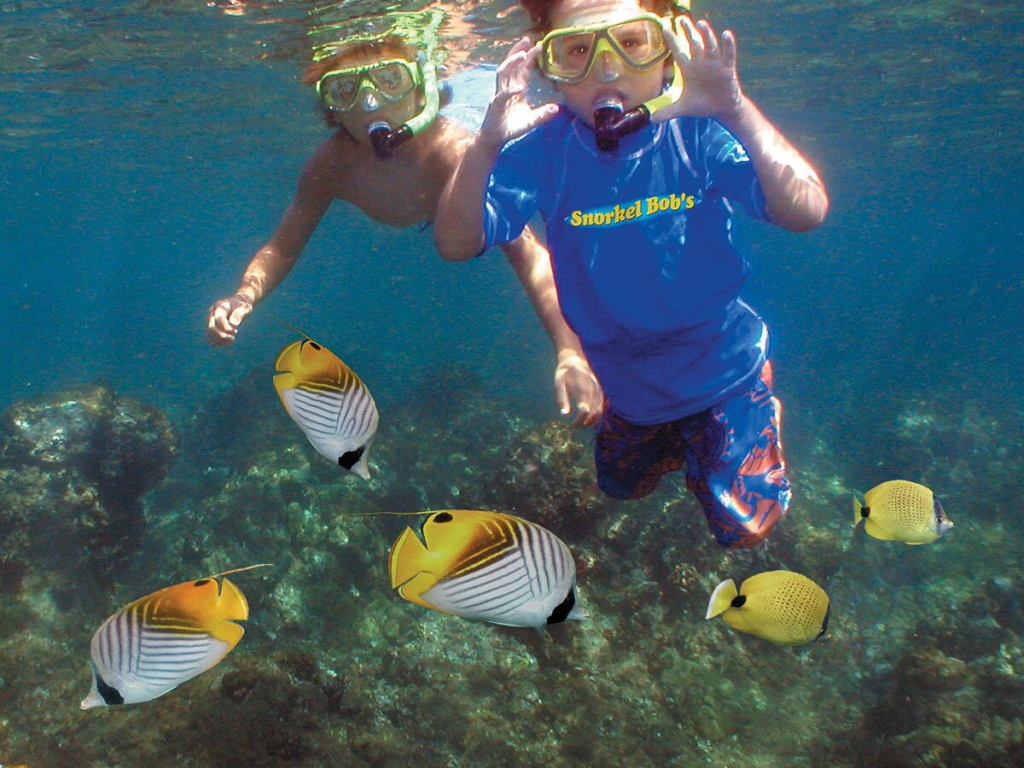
{"points": [[735, 466], [631, 458]]}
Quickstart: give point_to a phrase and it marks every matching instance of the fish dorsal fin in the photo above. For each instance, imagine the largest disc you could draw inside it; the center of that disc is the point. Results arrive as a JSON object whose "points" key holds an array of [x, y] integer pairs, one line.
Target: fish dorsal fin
{"points": [[288, 325], [241, 570]]}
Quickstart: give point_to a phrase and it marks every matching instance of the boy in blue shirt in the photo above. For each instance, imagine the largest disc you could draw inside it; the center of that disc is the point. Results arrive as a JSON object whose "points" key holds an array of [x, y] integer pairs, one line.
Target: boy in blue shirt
{"points": [[636, 190]]}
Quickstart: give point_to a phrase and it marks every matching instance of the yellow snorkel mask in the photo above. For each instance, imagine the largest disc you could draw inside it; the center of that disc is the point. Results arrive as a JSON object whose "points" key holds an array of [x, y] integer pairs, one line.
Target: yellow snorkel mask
{"points": [[390, 80], [568, 55]]}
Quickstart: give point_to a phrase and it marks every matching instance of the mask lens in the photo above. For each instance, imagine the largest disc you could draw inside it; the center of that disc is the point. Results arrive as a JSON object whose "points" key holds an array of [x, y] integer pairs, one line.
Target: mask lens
{"points": [[640, 42], [568, 55], [394, 81], [339, 91]]}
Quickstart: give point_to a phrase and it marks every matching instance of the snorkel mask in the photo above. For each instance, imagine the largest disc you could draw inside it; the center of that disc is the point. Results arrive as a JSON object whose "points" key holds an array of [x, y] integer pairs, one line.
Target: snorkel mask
{"points": [[568, 55], [368, 86]]}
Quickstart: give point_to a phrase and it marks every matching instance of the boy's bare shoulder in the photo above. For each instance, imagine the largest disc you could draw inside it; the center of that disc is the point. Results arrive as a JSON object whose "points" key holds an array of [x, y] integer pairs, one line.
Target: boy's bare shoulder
{"points": [[333, 162], [448, 142]]}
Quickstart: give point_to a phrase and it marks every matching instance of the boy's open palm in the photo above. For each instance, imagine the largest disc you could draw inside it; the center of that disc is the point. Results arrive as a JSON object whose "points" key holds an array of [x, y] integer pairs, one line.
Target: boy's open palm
{"points": [[711, 81], [509, 114]]}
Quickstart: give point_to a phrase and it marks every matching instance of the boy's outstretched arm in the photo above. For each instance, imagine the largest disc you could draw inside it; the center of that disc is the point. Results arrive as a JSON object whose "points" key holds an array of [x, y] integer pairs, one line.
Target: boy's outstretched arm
{"points": [[274, 260], [795, 196], [575, 383], [459, 224]]}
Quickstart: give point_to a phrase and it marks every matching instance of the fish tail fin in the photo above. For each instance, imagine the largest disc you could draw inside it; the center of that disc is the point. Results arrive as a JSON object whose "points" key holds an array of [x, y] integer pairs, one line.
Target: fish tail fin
{"points": [[859, 505], [407, 558], [721, 598], [578, 613]]}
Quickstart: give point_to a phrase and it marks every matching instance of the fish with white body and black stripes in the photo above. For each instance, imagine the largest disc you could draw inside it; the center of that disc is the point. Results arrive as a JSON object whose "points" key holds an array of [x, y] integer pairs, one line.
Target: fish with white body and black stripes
{"points": [[487, 566], [156, 643], [329, 402]]}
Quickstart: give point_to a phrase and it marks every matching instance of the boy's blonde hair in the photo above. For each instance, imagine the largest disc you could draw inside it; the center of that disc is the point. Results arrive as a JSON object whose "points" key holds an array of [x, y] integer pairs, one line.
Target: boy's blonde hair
{"points": [[355, 53]]}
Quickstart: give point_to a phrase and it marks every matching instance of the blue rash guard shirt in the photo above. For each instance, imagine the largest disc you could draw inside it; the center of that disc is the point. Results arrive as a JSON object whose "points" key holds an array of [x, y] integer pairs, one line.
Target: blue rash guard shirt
{"points": [[642, 253]]}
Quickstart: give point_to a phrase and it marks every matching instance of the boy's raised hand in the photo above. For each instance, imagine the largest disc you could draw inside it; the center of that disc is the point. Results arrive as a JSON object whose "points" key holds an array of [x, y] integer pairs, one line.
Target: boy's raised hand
{"points": [[711, 81], [509, 114]]}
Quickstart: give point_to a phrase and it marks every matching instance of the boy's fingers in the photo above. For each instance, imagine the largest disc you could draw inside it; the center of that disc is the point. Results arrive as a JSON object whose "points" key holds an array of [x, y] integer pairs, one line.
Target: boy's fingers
{"points": [[679, 48], [562, 395], [542, 114], [710, 40], [729, 48], [693, 37], [238, 316]]}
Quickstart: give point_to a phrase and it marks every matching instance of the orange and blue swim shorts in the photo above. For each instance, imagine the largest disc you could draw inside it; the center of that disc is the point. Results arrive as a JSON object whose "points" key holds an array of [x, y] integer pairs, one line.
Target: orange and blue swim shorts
{"points": [[733, 458]]}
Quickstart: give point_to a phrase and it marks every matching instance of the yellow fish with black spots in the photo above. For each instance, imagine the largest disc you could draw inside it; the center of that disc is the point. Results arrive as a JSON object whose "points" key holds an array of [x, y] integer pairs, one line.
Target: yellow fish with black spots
{"points": [[899, 510], [780, 606], [487, 566]]}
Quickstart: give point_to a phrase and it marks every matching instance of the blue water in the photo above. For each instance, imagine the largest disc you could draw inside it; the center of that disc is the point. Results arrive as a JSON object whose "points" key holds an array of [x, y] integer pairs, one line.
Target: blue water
{"points": [[148, 149]]}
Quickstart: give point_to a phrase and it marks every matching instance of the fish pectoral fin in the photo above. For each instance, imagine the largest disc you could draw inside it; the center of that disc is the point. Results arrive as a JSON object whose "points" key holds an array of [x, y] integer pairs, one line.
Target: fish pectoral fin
{"points": [[876, 531], [413, 590], [284, 380], [229, 633]]}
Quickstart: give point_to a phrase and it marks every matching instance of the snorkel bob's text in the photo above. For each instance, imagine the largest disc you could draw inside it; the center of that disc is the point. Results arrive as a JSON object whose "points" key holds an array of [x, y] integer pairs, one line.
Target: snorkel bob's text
{"points": [[644, 208]]}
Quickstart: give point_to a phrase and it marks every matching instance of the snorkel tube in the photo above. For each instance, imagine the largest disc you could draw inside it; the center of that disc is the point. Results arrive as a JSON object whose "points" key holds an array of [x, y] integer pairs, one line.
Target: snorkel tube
{"points": [[385, 139], [611, 122]]}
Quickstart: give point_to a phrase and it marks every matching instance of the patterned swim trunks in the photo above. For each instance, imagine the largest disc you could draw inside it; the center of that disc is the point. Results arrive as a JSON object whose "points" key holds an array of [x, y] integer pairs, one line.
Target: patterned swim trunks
{"points": [[733, 458]]}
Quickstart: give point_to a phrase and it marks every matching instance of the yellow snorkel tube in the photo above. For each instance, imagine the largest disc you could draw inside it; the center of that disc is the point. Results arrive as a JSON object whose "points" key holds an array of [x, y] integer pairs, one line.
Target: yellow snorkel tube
{"points": [[611, 123]]}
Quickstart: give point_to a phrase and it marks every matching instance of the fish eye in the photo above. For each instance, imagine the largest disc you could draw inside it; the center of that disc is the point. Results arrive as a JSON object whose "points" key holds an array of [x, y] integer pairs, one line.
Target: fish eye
{"points": [[443, 517], [315, 346], [200, 582]]}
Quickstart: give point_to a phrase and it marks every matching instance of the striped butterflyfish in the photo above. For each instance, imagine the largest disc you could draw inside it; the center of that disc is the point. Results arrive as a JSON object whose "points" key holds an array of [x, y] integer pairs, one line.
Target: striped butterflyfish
{"points": [[329, 402], [780, 606], [155, 644], [487, 566]]}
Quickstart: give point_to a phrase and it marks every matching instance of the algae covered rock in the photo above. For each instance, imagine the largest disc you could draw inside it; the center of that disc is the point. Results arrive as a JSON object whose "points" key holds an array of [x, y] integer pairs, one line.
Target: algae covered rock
{"points": [[73, 469]]}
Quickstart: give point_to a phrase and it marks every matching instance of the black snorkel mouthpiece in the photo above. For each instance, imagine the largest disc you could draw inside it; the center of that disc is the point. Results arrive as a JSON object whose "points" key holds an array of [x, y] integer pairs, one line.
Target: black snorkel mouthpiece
{"points": [[611, 123], [385, 140]]}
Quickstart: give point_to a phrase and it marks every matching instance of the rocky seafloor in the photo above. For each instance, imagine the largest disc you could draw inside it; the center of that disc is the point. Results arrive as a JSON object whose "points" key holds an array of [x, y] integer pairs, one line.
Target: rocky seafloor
{"points": [[103, 500]]}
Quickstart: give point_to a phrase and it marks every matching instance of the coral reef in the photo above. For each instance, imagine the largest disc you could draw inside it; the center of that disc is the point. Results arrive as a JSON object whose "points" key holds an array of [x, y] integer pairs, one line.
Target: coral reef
{"points": [[921, 666], [73, 469]]}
